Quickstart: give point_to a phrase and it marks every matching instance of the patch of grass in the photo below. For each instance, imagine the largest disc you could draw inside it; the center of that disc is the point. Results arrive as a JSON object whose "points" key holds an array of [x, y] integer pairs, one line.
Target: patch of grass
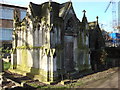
{"points": [[6, 65], [74, 85], [51, 86], [58, 87], [34, 85], [46, 86]]}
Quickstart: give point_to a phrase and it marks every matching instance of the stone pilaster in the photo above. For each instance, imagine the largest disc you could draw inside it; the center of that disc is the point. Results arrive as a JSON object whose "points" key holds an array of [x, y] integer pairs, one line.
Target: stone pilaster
{"points": [[43, 35], [14, 53], [75, 49], [19, 56], [36, 36], [24, 38], [40, 36], [30, 37], [30, 58]]}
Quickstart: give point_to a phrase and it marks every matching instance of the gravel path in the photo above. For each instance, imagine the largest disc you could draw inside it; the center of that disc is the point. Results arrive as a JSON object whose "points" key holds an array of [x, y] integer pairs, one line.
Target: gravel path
{"points": [[108, 82]]}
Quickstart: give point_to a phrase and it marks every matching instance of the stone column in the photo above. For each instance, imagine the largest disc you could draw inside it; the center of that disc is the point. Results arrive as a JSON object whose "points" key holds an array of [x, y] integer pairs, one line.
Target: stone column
{"points": [[20, 38], [40, 36], [75, 52], [43, 35], [89, 61], [14, 54], [18, 50], [24, 37], [51, 68], [36, 37], [40, 57], [30, 36], [36, 58], [83, 40], [52, 65], [48, 38], [18, 41]]}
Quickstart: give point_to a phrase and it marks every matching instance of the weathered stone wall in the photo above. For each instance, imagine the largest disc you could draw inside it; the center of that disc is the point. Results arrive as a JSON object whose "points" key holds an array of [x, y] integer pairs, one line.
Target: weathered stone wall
{"points": [[33, 53]]}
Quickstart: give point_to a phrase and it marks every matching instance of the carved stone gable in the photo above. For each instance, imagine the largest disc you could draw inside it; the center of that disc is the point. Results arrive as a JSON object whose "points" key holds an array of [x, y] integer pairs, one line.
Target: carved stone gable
{"points": [[69, 25]]}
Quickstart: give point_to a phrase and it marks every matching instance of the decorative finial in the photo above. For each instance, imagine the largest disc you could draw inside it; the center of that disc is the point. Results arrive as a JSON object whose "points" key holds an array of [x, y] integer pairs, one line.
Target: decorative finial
{"points": [[50, 2], [84, 19], [97, 19], [84, 11]]}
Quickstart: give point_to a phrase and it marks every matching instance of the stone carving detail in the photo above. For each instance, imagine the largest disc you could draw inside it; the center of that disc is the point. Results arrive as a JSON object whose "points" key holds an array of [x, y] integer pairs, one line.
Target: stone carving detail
{"points": [[69, 25]]}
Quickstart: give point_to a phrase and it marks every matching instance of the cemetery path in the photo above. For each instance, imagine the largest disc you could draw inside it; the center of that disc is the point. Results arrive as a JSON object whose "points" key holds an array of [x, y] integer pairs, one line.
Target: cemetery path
{"points": [[111, 81], [105, 79]]}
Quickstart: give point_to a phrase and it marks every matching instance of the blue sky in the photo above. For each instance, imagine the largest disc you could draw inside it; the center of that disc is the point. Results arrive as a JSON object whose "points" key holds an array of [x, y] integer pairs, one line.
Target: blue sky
{"points": [[93, 8]]}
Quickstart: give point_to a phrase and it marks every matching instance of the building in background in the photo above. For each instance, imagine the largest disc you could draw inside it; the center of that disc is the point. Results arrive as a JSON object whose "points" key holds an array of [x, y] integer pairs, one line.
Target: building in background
{"points": [[6, 22]]}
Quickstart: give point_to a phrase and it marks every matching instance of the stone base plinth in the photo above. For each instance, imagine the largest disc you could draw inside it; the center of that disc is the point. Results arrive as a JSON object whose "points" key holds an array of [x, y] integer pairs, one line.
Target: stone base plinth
{"points": [[34, 73]]}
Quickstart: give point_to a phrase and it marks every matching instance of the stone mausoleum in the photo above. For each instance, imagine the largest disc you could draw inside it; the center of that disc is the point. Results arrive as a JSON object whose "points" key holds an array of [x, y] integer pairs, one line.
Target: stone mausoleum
{"points": [[50, 42]]}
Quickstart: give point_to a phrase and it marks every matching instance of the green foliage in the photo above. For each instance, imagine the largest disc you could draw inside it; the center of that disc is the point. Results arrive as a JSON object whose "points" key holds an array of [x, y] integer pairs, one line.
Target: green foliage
{"points": [[4, 51], [6, 65], [103, 56]]}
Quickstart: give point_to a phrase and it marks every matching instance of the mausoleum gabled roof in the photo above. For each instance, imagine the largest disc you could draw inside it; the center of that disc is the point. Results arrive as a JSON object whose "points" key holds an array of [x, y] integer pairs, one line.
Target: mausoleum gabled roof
{"points": [[35, 9], [58, 10], [63, 8], [94, 25]]}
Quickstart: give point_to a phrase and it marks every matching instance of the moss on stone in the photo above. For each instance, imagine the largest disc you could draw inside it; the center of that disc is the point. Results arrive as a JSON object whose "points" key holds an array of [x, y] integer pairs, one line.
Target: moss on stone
{"points": [[24, 59], [13, 51], [80, 41], [30, 47], [34, 73]]}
